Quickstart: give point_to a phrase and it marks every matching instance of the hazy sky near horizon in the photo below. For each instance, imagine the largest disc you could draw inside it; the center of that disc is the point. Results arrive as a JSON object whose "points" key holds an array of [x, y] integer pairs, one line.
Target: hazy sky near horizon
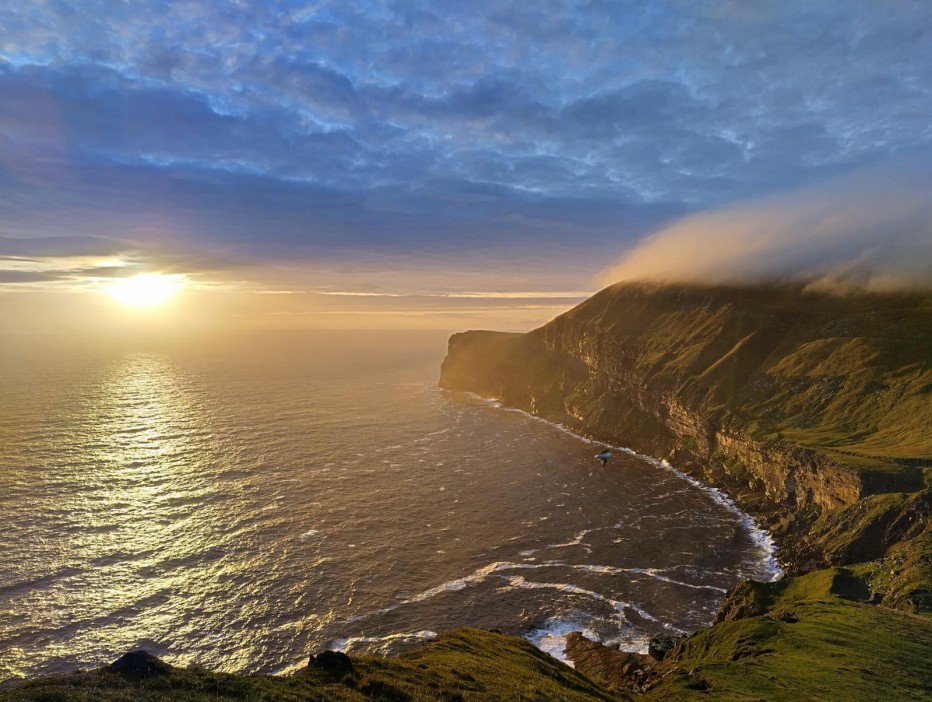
{"points": [[431, 164]]}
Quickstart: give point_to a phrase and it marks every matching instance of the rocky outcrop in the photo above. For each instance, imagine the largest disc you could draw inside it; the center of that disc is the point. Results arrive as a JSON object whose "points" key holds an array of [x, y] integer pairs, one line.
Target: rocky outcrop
{"points": [[660, 645], [334, 663], [139, 664], [618, 670]]}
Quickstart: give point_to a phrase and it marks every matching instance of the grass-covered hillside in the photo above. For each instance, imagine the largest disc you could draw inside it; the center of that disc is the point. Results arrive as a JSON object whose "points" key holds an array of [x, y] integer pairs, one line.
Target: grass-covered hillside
{"points": [[813, 409], [849, 375], [812, 637], [461, 665]]}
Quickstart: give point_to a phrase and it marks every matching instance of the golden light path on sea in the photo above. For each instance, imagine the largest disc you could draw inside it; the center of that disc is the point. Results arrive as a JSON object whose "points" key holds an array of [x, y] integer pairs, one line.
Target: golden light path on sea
{"points": [[237, 510], [134, 515]]}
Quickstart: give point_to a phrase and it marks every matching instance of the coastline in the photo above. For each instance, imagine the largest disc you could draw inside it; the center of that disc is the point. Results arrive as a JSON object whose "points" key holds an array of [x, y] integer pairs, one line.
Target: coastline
{"points": [[763, 536], [760, 535]]}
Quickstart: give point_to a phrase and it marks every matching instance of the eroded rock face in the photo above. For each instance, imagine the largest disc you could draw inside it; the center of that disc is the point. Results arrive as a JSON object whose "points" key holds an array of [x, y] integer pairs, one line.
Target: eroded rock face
{"points": [[619, 670], [742, 601], [660, 645]]}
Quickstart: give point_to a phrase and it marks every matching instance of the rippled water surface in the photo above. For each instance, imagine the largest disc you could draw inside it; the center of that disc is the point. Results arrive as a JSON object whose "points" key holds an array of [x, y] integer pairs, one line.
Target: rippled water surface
{"points": [[244, 503]]}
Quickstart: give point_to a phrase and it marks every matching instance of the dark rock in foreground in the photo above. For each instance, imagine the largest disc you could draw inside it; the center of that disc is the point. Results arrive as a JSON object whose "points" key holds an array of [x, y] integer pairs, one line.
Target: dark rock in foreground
{"points": [[660, 646], [139, 664], [334, 663], [619, 670]]}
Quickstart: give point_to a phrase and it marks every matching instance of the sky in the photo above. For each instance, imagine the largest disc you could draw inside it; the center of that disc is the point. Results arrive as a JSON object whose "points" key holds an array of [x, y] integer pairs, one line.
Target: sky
{"points": [[452, 164]]}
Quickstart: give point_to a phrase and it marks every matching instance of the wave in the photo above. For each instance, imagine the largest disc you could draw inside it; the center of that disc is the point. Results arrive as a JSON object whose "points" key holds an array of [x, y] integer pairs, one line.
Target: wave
{"points": [[650, 572], [477, 576], [499, 568], [619, 606], [551, 636], [381, 643]]}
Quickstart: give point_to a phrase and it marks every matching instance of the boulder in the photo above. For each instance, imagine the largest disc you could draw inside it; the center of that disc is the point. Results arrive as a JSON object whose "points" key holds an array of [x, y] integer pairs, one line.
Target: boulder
{"points": [[334, 663], [660, 645], [139, 664], [617, 669]]}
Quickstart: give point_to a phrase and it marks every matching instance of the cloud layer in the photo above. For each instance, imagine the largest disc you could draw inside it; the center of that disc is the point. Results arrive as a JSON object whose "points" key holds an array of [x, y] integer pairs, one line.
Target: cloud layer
{"points": [[871, 230], [642, 102], [215, 136]]}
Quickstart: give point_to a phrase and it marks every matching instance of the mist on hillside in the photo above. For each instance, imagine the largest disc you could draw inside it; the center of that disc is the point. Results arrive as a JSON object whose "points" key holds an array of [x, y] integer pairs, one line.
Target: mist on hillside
{"points": [[870, 231]]}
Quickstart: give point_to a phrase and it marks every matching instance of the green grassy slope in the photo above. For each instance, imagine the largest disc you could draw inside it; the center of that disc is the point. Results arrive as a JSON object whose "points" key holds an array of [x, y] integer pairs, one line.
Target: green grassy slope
{"points": [[461, 665], [806, 638], [848, 375]]}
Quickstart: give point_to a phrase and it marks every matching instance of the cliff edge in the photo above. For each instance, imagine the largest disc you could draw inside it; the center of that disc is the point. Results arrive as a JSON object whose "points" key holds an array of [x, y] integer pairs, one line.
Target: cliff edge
{"points": [[814, 410]]}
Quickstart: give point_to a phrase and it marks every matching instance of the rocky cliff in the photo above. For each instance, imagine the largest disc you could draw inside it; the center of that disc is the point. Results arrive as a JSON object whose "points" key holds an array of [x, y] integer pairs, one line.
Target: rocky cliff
{"points": [[815, 412], [801, 404]]}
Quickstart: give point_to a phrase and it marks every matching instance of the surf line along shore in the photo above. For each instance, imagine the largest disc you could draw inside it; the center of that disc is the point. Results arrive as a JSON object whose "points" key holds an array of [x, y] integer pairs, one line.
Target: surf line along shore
{"points": [[553, 639]]}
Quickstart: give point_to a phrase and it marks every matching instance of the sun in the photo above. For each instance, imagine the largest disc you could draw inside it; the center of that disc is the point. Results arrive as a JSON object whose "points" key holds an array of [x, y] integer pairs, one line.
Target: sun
{"points": [[145, 289]]}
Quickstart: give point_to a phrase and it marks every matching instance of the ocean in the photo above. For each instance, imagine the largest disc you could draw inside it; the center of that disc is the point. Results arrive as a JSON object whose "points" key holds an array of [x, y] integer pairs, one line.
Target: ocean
{"points": [[242, 502]]}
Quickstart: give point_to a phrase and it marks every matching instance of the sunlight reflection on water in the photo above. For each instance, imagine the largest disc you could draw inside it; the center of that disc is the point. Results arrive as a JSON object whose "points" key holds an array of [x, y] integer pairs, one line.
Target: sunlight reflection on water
{"points": [[240, 510], [128, 515]]}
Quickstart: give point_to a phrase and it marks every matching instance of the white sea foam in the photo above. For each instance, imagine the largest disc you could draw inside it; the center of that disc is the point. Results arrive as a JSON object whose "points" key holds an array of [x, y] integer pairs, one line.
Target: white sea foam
{"points": [[382, 642], [578, 539], [575, 541], [650, 572], [551, 637], [517, 581], [477, 576]]}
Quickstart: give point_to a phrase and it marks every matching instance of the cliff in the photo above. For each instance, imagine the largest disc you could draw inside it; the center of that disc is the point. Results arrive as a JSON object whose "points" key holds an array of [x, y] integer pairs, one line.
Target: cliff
{"points": [[815, 412], [801, 404]]}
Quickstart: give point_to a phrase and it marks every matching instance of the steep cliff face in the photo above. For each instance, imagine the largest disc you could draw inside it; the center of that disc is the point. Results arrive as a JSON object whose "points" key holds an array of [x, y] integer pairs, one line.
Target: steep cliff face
{"points": [[804, 401]]}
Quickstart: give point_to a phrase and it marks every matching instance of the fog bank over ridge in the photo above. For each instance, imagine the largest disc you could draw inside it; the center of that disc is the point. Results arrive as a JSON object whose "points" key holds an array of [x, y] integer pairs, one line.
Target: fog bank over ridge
{"points": [[870, 231]]}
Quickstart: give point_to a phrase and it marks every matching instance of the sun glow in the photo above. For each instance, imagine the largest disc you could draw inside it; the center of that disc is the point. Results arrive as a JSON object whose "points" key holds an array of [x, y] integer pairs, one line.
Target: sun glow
{"points": [[145, 289]]}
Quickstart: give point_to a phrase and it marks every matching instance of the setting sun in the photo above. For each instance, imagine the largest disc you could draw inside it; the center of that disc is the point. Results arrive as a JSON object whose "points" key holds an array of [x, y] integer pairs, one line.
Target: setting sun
{"points": [[145, 289]]}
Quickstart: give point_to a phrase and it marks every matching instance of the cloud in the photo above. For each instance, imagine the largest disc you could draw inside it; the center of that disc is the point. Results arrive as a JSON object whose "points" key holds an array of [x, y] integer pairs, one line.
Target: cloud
{"points": [[54, 246], [683, 101], [870, 230], [206, 136]]}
